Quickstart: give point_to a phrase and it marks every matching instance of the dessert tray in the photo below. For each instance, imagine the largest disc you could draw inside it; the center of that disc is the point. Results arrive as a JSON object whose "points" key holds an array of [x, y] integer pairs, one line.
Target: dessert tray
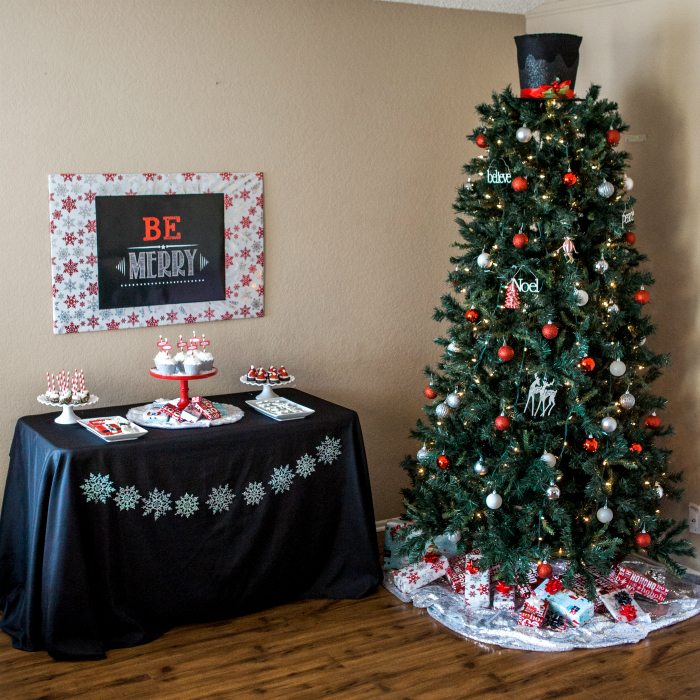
{"points": [[280, 408], [67, 416], [266, 387], [113, 428], [229, 414]]}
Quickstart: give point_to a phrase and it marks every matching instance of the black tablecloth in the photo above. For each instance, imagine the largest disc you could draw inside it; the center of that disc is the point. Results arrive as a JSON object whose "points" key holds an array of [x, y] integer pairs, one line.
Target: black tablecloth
{"points": [[105, 545]]}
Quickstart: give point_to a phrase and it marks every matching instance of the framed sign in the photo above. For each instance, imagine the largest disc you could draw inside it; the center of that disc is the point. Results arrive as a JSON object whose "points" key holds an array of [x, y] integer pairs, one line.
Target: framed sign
{"points": [[152, 249]]}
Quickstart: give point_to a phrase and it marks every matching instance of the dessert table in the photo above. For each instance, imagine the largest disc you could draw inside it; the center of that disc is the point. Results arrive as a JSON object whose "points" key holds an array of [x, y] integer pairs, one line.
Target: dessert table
{"points": [[106, 545]]}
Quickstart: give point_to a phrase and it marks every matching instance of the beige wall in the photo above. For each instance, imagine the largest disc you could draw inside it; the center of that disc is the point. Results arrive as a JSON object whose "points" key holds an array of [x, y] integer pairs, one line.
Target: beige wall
{"points": [[355, 110], [646, 56]]}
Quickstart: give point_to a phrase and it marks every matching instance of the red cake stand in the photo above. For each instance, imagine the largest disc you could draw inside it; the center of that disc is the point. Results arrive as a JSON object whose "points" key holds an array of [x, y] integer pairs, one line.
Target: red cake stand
{"points": [[184, 380]]}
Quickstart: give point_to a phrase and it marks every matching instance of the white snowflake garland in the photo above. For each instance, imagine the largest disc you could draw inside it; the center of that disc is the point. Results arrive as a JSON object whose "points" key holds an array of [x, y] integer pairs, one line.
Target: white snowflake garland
{"points": [[97, 488], [220, 498], [186, 505], [328, 450], [127, 498], [157, 502], [282, 478], [306, 466], [254, 493]]}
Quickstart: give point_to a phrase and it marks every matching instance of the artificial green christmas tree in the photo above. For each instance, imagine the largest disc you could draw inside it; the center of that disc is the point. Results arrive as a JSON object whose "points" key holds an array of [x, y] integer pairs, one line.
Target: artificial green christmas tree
{"points": [[541, 438]]}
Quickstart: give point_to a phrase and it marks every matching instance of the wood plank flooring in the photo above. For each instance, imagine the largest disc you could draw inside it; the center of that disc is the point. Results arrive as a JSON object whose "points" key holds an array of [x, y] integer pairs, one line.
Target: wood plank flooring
{"points": [[370, 648]]}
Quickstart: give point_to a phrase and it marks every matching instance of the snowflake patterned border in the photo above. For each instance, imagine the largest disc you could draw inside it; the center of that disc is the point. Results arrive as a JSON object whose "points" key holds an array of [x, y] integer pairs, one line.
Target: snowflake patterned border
{"points": [[329, 450], [127, 498], [220, 498], [157, 502], [97, 488], [281, 480], [254, 493]]}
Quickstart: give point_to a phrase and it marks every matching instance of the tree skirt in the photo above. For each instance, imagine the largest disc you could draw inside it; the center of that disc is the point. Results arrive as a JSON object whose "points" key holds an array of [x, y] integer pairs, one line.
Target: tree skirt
{"points": [[500, 627]]}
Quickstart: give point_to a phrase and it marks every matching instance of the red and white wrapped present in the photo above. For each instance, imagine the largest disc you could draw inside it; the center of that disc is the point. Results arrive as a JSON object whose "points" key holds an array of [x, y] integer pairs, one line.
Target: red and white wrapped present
{"points": [[206, 407], [414, 576], [627, 578], [503, 596], [455, 572], [173, 412], [623, 607], [533, 612], [477, 583]]}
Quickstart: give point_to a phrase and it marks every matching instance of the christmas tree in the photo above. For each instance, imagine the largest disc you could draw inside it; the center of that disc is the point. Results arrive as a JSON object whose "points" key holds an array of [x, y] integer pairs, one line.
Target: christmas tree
{"points": [[541, 438]]}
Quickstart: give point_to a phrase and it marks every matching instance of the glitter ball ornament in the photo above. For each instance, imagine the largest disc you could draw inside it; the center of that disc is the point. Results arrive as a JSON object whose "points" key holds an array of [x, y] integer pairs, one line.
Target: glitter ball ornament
{"points": [[453, 400], [581, 297], [587, 364], [502, 422], [604, 514], [606, 189], [523, 134], [601, 266], [506, 353], [472, 315], [630, 237], [637, 448], [642, 296], [569, 179], [549, 459], [520, 240], [612, 136], [617, 368], [628, 183], [423, 454], [481, 141], [484, 261], [550, 330], [494, 501], [627, 401], [480, 469], [443, 461], [429, 392], [442, 410], [544, 570], [553, 492], [652, 421], [608, 424], [642, 539], [590, 444], [519, 184]]}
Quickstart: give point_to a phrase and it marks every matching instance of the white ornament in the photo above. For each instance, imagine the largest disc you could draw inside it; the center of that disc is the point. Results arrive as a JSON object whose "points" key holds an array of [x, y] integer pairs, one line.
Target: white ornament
{"points": [[553, 492], [568, 248], [659, 489], [453, 347], [601, 266], [608, 424], [523, 134], [442, 410], [494, 501], [423, 454], [627, 400], [540, 398], [480, 468], [617, 368], [484, 261], [629, 183], [453, 400], [581, 297], [613, 308], [549, 459], [606, 189], [604, 514]]}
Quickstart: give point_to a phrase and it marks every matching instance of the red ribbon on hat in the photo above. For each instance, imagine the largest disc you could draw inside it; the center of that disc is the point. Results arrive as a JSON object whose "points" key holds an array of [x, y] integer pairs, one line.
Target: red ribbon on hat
{"points": [[556, 89], [553, 586]]}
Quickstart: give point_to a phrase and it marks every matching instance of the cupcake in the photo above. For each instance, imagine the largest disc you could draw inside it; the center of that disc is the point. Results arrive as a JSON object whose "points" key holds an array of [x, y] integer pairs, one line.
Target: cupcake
{"points": [[164, 363], [192, 365], [206, 358], [179, 360]]}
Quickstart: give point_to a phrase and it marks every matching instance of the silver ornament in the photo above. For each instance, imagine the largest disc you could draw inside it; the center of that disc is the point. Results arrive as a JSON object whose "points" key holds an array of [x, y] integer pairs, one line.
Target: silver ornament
{"points": [[453, 400], [553, 492], [423, 454], [604, 514], [627, 400], [613, 308], [581, 297], [606, 189], [643, 341], [494, 501], [454, 537], [484, 261], [608, 424], [453, 347], [617, 368], [523, 134], [442, 410], [659, 489], [480, 468], [629, 183], [601, 266], [549, 459]]}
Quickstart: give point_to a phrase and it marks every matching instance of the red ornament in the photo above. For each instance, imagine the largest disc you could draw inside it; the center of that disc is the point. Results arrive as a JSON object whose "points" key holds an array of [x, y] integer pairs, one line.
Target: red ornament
{"points": [[519, 184], [612, 137], [550, 331], [652, 421], [590, 444], [502, 422], [636, 447], [544, 570], [642, 540], [520, 240], [587, 364], [630, 237], [506, 353], [472, 315], [481, 141], [642, 296], [443, 461], [569, 179], [429, 392]]}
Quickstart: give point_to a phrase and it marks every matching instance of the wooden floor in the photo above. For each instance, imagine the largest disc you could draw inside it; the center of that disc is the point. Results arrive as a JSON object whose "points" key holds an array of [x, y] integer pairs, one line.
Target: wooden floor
{"points": [[370, 648]]}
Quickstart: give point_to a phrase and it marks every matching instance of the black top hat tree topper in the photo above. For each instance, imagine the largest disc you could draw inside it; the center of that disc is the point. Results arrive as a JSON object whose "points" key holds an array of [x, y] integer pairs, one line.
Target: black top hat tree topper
{"points": [[547, 64]]}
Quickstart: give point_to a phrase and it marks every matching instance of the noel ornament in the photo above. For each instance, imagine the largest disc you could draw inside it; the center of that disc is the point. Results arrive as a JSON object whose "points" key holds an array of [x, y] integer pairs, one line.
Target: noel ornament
{"points": [[480, 469], [541, 397], [452, 400], [608, 424], [549, 459], [568, 248], [442, 410], [601, 266], [604, 514], [617, 368], [627, 401], [494, 501], [581, 297], [606, 189], [553, 492], [523, 134], [484, 261]]}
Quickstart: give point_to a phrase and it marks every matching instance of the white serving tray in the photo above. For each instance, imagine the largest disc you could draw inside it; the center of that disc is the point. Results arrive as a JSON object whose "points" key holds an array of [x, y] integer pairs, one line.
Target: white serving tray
{"points": [[280, 409], [116, 428]]}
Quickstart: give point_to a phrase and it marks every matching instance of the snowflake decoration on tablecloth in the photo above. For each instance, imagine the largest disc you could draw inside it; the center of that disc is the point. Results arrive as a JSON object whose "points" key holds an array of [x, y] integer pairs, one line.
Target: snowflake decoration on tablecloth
{"points": [[329, 450], [187, 505], [127, 497], [157, 502], [282, 478], [254, 493], [220, 498], [97, 488], [306, 466]]}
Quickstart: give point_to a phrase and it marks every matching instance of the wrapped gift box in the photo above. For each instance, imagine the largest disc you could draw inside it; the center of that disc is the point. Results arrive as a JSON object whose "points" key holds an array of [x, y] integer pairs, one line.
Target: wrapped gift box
{"points": [[575, 608], [392, 542], [477, 583], [503, 596], [626, 577], [533, 612], [623, 607], [455, 573], [414, 576]]}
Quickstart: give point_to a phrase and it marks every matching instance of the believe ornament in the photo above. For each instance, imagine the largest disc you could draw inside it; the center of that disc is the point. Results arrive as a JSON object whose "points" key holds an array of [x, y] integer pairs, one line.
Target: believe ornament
{"points": [[481, 141], [590, 444], [472, 315], [520, 240], [612, 136], [429, 392], [443, 461], [550, 330], [642, 296], [519, 184], [652, 421], [506, 353], [502, 422], [494, 500]]}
